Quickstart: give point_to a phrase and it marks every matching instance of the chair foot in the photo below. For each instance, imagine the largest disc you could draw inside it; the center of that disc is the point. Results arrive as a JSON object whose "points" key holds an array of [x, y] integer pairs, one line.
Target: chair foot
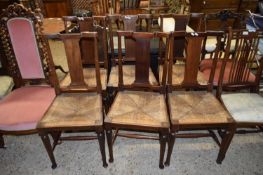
{"points": [[101, 139], [161, 166], [54, 166], [2, 142], [167, 163], [219, 161], [226, 140], [171, 141], [109, 141], [49, 149], [111, 160], [163, 140]]}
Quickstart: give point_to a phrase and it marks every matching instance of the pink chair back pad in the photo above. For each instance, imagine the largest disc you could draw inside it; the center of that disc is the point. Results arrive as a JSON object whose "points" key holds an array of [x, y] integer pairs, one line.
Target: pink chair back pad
{"points": [[24, 43]]}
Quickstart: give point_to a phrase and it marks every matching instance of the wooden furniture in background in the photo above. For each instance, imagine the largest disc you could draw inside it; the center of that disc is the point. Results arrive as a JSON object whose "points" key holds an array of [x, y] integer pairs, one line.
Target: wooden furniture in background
{"points": [[71, 111], [28, 63], [192, 105], [57, 8]]}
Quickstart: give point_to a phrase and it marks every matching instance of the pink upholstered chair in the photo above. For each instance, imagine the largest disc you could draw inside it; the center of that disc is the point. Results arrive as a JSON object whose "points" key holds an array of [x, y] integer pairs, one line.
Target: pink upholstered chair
{"points": [[27, 61]]}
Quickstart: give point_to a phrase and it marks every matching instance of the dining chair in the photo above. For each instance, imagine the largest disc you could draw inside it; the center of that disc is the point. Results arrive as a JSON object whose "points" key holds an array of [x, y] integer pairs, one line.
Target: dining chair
{"points": [[140, 105], [28, 64], [238, 89], [191, 104], [78, 106]]}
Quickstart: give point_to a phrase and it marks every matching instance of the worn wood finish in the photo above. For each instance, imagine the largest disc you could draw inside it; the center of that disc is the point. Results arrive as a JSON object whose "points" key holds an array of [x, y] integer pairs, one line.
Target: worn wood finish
{"points": [[190, 109], [147, 109], [75, 111]]}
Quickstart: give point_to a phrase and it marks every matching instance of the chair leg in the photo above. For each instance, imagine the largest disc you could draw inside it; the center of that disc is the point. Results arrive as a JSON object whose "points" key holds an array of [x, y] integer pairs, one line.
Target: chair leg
{"points": [[101, 139], [47, 144], [170, 148], [226, 140], [2, 142], [163, 139], [55, 136], [109, 141]]}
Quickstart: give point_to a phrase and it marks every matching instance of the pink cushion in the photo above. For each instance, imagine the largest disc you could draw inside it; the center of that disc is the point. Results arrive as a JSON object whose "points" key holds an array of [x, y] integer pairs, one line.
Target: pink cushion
{"points": [[24, 107], [206, 66], [23, 39]]}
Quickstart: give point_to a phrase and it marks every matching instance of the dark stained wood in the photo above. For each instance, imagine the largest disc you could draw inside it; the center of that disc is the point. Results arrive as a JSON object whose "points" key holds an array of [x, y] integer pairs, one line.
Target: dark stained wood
{"points": [[181, 21], [179, 98], [57, 8], [68, 115]]}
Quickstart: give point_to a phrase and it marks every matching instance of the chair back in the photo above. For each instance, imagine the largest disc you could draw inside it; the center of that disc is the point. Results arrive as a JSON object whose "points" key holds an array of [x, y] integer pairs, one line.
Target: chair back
{"points": [[190, 69], [176, 23], [91, 24], [73, 53], [24, 46], [196, 22], [94, 24], [142, 60], [240, 70]]}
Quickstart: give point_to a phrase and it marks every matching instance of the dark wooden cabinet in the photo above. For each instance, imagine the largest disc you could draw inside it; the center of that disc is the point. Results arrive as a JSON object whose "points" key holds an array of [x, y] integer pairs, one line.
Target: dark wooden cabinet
{"points": [[57, 8], [212, 6]]}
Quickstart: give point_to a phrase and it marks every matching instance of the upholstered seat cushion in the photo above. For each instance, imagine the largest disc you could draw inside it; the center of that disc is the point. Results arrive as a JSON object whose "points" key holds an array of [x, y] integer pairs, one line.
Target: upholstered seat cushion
{"points": [[206, 66], [89, 78], [168, 25], [211, 44], [178, 74], [139, 109], [6, 85], [24, 107], [244, 107], [128, 76], [196, 107], [74, 110]]}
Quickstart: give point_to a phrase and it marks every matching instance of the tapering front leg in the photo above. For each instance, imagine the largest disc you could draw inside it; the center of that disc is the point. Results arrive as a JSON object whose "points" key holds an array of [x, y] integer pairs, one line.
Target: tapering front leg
{"points": [[101, 139], [109, 141], [171, 141], [47, 144], [2, 142], [226, 140], [163, 139]]}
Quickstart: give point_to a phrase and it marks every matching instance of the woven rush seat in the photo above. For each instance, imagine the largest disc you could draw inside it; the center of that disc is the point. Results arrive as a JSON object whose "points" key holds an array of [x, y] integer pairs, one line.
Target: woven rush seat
{"points": [[178, 74], [196, 107], [244, 107], [74, 110], [89, 78], [139, 108], [128, 76]]}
